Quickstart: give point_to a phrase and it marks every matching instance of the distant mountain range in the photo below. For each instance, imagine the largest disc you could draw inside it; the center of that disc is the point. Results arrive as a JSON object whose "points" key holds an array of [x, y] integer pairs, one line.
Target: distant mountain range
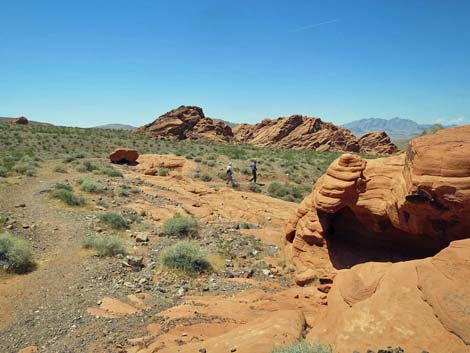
{"points": [[396, 128], [116, 127]]}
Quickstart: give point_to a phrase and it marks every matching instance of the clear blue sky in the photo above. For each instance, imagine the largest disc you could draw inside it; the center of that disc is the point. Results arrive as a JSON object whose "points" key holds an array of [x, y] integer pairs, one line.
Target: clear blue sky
{"points": [[94, 62]]}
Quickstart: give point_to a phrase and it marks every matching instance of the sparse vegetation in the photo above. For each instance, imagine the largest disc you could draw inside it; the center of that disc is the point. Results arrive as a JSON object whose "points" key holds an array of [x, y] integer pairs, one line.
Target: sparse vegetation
{"points": [[16, 254], [114, 220], [111, 172], [60, 168], [180, 227], [163, 171], [91, 185], [304, 347], [187, 257], [288, 192], [105, 245], [68, 197]]}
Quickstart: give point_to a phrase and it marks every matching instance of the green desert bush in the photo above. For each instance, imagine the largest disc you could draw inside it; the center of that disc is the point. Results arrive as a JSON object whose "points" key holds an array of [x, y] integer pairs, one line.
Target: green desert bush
{"points": [[3, 171], [180, 227], [15, 254], [288, 192], [111, 172], [206, 177], [63, 186], [68, 197], [105, 245], [114, 220], [91, 185], [304, 347], [60, 168], [163, 171], [254, 187], [86, 166], [187, 257]]}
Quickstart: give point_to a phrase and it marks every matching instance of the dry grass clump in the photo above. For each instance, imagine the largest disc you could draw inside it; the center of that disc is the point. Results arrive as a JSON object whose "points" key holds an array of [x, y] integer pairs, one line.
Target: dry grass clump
{"points": [[105, 245]]}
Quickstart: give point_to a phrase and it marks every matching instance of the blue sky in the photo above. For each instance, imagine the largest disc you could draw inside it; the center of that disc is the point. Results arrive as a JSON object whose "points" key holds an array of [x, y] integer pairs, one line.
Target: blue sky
{"points": [[86, 63]]}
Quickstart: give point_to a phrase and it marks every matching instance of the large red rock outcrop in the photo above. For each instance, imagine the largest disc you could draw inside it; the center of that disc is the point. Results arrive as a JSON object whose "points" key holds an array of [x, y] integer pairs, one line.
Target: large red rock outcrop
{"points": [[302, 132], [299, 132], [187, 122], [124, 156], [391, 209], [19, 121], [377, 143], [420, 305]]}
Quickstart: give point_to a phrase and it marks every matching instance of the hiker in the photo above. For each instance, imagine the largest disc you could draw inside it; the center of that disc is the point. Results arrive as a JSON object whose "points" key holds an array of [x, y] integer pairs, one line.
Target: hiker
{"points": [[253, 171], [230, 174]]}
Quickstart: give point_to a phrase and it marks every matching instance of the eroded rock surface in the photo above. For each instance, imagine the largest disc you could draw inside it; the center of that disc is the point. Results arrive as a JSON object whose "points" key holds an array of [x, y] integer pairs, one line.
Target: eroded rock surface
{"points": [[19, 121], [363, 218], [187, 122], [124, 156], [377, 143]]}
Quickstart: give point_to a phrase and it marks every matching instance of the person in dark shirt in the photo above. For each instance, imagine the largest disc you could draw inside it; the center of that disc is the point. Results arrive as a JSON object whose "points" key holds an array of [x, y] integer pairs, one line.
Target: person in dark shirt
{"points": [[253, 171]]}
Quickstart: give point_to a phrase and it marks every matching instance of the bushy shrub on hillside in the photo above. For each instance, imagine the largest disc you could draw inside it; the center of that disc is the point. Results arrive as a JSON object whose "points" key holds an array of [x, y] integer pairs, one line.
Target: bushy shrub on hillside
{"points": [[206, 177], [91, 185], [288, 192], [111, 172], [87, 166], [304, 347], [60, 168], [163, 171], [68, 197], [180, 227], [187, 257], [105, 245], [15, 254], [114, 220]]}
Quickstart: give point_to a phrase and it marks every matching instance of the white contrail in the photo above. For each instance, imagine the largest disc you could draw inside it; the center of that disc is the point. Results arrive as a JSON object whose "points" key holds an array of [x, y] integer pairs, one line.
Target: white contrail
{"points": [[316, 25]]}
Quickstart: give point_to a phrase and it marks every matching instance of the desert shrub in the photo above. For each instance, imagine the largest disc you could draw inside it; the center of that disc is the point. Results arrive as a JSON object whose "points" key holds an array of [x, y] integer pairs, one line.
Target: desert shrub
{"points": [[206, 177], [246, 226], [91, 185], [187, 257], [60, 168], [163, 171], [114, 220], [304, 347], [210, 163], [26, 166], [212, 157], [197, 175], [179, 226], [254, 188], [87, 166], [3, 172], [245, 171], [105, 245], [68, 197], [111, 172], [63, 186], [222, 175], [15, 254], [287, 191], [198, 159]]}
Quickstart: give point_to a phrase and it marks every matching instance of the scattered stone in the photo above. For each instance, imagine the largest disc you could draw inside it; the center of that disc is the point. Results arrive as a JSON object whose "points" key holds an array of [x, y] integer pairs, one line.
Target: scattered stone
{"points": [[135, 260], [141, 238]]}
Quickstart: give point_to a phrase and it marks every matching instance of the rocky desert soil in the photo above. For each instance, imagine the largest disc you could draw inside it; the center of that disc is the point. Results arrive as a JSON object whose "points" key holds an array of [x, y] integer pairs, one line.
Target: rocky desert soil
{"points": [[75, 301]]}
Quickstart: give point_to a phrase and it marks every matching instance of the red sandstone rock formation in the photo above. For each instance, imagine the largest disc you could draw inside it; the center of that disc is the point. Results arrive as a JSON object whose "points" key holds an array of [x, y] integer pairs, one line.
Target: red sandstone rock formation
{"points": [[303, 132], [124, 156], [406, 206], [377, 143], [187, 122], [299, 132], [20, 121]]}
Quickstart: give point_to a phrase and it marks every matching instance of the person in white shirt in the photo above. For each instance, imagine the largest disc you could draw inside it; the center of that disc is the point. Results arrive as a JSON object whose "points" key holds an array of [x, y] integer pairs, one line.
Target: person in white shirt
{"points": [[230, 174]]}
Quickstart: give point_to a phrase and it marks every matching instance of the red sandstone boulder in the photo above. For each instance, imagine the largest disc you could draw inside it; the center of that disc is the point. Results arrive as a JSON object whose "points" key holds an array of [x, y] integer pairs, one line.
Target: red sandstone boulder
{"points": [[124, 156], [20, 121]]}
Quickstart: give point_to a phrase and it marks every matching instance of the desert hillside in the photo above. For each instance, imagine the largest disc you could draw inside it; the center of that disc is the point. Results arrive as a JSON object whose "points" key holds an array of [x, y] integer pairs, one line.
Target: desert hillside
{"points": [[138, 245]]}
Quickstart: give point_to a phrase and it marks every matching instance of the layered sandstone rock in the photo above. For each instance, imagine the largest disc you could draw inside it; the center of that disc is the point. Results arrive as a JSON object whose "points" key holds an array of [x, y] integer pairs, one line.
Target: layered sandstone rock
{"points": [[187, 122], [377, 143], [124, 156], [421, 305], [299, 132], [370, 215], [19, 121]]}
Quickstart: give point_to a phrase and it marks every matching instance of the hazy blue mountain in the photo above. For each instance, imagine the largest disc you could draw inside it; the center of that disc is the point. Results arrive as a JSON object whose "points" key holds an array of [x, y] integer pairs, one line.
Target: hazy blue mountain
{"points": [[116, 127], [396, 128]]}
